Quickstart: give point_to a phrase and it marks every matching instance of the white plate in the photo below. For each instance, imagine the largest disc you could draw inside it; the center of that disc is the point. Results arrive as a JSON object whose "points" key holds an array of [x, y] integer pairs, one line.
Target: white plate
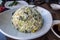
{"points": [[8, 29], [21, 3], [3, 13]]}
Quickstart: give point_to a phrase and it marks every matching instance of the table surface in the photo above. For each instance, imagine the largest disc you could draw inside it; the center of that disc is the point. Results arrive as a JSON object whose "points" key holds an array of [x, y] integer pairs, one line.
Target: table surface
{"points": [[49, 35]]}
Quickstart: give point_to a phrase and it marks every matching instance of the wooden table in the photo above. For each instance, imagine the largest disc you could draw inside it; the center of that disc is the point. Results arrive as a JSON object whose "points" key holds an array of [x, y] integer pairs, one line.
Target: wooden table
{"points": [[49, 35]]}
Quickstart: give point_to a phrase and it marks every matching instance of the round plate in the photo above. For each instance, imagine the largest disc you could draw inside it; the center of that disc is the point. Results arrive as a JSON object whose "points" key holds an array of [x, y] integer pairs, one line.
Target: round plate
{"points": [[8, 29]]}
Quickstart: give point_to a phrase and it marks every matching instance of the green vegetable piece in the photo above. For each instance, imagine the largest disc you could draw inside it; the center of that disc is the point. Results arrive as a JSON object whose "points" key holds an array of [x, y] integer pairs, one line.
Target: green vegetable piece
{"points": [[13, 3]]}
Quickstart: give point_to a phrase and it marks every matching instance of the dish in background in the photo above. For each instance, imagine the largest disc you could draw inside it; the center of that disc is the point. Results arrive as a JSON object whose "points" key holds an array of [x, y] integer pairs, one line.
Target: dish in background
{"points": [[56, 28], [55, 6], [14, 3], [20, 4], [8, 30]]}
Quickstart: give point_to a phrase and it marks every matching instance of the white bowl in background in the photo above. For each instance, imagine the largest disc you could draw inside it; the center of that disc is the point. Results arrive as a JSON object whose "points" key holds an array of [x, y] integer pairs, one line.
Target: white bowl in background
{"points": [[7, 28], [21, 3], [55, 22], [55, 6]]}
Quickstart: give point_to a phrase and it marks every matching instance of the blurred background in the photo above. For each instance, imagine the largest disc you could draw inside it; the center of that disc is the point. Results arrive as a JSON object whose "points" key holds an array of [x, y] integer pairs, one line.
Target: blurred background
{"points": [[36, 2]]}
